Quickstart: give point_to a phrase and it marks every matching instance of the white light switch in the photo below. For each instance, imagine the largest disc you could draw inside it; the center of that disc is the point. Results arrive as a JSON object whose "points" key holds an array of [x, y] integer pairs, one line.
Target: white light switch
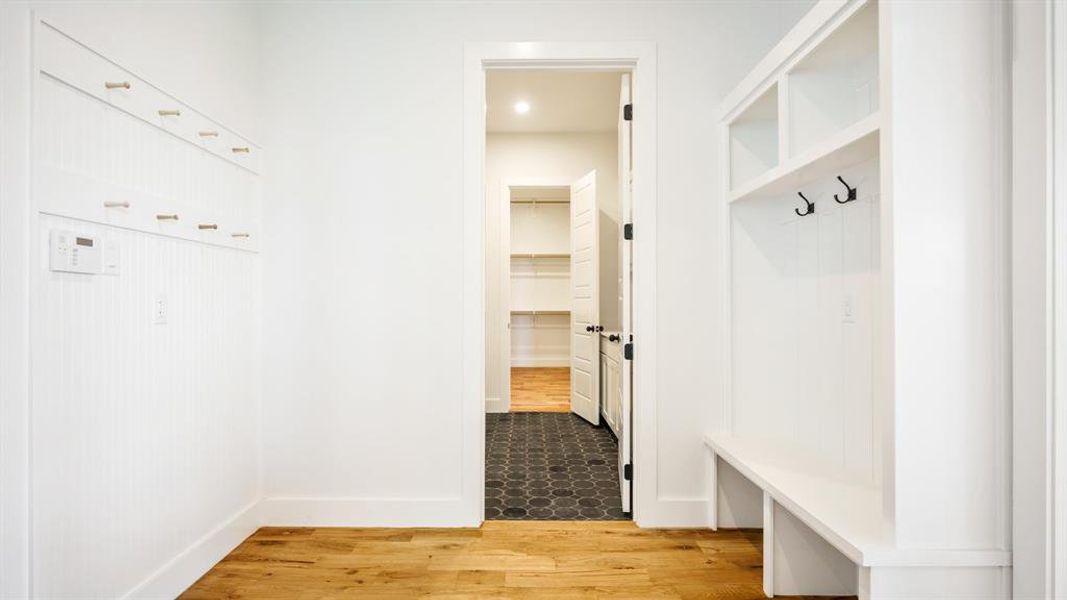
{"points": [[159, 310], [110, 261]]}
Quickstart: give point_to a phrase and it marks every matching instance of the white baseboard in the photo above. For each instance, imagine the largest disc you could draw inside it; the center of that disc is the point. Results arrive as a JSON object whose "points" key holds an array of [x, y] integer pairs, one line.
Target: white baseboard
{"points": [[495, 405], [366, 512], [540, 361], [170, 580], [682, 513]]}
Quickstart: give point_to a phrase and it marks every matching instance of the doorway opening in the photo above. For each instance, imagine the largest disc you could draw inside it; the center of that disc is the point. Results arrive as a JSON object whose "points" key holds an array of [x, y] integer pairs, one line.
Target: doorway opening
{"points": [[558, 165]]}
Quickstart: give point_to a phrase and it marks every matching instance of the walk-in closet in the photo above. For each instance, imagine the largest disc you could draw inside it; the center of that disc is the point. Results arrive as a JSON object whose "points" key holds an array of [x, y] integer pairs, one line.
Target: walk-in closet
{"points": [[540, 253]]}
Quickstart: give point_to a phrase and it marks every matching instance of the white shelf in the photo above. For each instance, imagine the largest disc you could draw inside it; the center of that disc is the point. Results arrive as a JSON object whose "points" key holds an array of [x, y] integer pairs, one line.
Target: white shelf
{"points": [[846, 514], [753, 139], [851, 146], [835, 85], [527, 311], [540, 255]]}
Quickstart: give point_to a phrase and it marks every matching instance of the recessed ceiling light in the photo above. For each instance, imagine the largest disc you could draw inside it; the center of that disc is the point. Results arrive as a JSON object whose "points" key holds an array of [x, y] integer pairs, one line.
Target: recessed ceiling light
{"points": [[522, 107]]}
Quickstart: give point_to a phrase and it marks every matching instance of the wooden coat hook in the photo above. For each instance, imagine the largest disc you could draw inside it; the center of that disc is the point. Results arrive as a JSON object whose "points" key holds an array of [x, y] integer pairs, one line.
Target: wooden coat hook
{"points": [[808, 209], [851, 192]]}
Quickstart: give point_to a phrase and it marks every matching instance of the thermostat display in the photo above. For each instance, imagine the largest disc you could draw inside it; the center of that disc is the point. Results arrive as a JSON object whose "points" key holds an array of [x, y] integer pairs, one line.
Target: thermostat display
{"points": [[72, 253]]}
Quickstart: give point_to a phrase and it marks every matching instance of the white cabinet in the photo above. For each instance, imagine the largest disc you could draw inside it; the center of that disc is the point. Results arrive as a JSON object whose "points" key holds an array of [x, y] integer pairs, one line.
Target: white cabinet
{"points": [[611, 380]]}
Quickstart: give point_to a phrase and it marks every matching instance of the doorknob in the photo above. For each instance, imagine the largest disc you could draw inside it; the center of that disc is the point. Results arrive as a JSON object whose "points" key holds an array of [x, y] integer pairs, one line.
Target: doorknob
{"points": [[600, 328], [614, 338], [590, 328]]}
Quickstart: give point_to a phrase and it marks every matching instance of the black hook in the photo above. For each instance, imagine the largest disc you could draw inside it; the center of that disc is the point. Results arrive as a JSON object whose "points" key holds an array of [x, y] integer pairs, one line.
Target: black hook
{"points": [[851, 192], [808, 210]]}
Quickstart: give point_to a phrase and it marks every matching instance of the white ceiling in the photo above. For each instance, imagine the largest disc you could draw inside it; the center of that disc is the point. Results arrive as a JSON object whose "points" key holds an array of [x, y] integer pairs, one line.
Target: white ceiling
{"points": [[560, 101]]}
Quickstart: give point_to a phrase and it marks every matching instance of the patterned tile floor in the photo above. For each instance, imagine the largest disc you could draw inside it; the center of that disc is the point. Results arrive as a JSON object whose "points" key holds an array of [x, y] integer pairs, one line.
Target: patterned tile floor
{"points": [[550, 466]]}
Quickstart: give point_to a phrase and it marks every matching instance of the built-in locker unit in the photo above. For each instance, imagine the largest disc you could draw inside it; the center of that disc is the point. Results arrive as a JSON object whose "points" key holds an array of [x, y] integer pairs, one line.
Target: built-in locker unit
{"points": [[863, 356], [540, 277]]}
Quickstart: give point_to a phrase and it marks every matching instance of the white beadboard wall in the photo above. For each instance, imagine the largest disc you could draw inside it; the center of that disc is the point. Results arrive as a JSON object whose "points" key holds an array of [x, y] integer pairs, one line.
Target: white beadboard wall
{"points": [[80, 134], [802, 368], [145, 437]]}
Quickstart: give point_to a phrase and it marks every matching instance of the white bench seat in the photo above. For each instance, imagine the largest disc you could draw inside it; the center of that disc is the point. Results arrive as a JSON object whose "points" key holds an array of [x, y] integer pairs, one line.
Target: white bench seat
{"points": [[847, 514]]}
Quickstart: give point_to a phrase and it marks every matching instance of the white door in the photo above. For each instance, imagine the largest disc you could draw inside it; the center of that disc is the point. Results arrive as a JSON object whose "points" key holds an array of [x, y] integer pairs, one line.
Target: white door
{"points": [[585, 301], [625, 418]]}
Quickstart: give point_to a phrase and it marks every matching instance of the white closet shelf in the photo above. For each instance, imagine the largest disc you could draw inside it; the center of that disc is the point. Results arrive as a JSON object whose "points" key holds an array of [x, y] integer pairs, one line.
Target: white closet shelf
{"points": [[540, 255], [846, 513], [848, 147], [526, 311]]}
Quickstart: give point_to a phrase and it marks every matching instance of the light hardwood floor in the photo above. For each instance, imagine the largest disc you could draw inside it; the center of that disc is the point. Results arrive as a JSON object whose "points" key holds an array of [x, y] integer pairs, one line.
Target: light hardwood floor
{"points": [[502, 559], [540, 389]]}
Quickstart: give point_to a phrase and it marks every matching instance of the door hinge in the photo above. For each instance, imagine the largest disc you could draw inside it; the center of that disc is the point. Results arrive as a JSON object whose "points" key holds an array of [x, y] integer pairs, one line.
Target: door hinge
{"points": [[628, 472], [628, 112], [628, 231], [628, 351]]}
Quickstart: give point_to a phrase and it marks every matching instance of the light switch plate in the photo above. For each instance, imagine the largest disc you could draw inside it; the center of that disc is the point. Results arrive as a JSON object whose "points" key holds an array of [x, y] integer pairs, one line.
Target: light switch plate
{"points": [[109, 264]]}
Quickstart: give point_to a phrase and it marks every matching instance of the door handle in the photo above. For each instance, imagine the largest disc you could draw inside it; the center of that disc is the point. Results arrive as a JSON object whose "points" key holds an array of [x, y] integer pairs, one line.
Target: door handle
{"points": [[614, 338], [590, 328]]}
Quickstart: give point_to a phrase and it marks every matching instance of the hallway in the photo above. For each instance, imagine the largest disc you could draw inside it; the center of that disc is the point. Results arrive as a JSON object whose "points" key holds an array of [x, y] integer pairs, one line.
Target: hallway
{"points": [[550, 466]]}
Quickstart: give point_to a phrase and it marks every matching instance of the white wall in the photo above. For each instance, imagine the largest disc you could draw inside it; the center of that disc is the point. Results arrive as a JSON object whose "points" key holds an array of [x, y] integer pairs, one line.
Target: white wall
{"points": [[362, 283], [1032, 319], [144, 438], [556, 156]]}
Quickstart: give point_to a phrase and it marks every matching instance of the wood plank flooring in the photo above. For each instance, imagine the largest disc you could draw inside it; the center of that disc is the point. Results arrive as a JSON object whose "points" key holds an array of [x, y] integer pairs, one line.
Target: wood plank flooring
{"points": [[540, 389], [502, 559]]}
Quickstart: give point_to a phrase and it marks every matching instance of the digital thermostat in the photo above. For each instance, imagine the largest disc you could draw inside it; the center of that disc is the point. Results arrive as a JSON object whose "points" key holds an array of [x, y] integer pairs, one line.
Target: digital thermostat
{"points": [[80, 253]]}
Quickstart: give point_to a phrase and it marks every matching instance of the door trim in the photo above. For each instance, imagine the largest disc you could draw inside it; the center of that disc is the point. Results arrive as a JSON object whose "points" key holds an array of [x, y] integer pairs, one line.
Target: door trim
{"points": [[639, 58]]}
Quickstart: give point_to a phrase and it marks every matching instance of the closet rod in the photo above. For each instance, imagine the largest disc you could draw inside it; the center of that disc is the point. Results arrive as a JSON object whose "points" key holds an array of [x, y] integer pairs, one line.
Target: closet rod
{"points": [[540, 201]]}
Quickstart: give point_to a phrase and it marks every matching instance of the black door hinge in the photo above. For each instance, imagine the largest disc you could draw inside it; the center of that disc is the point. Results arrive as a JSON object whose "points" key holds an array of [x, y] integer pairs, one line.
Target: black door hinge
{"points": [[628, 112], [628, 231], [628, 472], [628, 351]]}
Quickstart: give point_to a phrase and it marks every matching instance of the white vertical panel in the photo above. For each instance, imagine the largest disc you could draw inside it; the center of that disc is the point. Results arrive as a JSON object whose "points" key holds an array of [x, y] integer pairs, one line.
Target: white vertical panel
{"points": [[803, 318], [145, 437], [949, 263]]}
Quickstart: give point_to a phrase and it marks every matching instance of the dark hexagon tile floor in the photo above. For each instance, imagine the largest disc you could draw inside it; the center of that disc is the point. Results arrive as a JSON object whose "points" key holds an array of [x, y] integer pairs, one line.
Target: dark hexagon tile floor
{"points": [[550, 466]]}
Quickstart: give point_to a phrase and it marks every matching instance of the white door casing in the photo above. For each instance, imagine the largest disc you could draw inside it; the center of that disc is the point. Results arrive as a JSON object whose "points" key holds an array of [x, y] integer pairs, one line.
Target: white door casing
{"points": [[625, 418], [585, 301]]}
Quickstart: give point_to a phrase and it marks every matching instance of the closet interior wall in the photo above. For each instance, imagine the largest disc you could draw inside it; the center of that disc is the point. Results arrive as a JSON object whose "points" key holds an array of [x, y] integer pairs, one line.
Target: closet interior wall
{"points": [[540, 295]]}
